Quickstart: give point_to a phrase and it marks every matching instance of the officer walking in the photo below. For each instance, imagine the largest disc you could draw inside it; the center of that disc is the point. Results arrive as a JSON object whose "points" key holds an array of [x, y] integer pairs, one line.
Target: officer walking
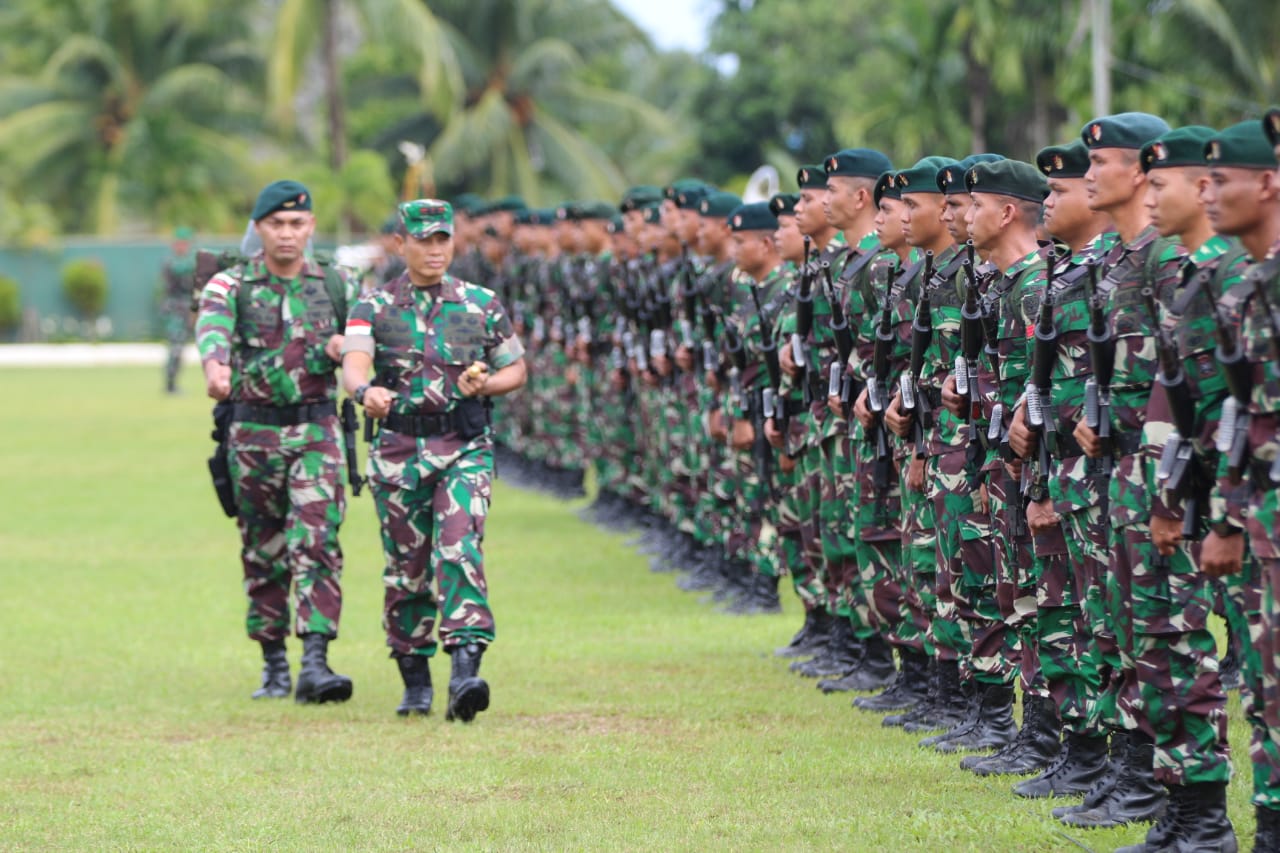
{"points": [[175, 308], [269, 334], [439, 347]]}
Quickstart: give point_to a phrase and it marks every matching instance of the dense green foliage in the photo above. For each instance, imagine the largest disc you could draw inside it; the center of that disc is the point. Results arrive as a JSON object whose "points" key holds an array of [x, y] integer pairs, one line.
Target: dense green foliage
{"points": [[10, 304], [84, 284], [626, 714], [138, 114]]}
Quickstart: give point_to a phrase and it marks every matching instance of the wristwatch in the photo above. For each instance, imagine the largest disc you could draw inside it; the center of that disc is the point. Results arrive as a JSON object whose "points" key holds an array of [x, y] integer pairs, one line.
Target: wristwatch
{"points": [[358, 396], [1225, 528]]}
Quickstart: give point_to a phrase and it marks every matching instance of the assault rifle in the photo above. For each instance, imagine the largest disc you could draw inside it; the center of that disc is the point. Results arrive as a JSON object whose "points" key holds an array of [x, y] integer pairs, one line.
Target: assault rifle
{"points": [[219, 464], [769, 351], [1040, 416], [916, 405], [1233, 425], [970, 348], [839, 383], [804, 323], [1097, 389], [878, 389]]}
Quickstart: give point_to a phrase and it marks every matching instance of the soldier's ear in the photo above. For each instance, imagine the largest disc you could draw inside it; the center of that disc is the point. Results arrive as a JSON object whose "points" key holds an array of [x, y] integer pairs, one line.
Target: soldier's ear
{"points": [[1269, 184]]}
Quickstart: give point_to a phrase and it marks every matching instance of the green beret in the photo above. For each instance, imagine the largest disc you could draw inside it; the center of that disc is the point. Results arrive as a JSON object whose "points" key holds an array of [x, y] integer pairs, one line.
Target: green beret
{"points": [[887, 187], [467, 203], [390, 225], [524, 217], [1243, 145], [182, 232], [615, 225], [691, 198], [637, 197], [923, 176], [569, 211], [857, 163], [811, 178], [718, 204], [282, 195], [544, 216], [951, 178], [784, 204], [1012, 178], [426, 216], [753, 217], [1271, 125], [652, 212], [507, 203], [596, 210], [1123, 130], [682, 185], [1064, 161], [1183, 146]]}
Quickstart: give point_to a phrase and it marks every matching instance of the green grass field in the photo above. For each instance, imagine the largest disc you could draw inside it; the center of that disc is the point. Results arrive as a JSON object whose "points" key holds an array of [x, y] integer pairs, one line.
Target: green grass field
{"points": [[626, 714]]}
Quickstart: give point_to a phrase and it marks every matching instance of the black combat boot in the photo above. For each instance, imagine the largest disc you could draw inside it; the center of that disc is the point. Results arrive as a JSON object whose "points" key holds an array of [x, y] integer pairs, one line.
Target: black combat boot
{"points": [[1136, 797], [468, 692], [1229, 664], [1266, 838], [575, 483], [316, 682], [841, 656], [994, 727], [276, 683], [1037, 743], [927, 705], [955, 705], [908, 689], [874, 671], [415, 671], [761, 597], [1075, 771], [1194, 820], [812, 634], [706, 575], [1113, 763]]}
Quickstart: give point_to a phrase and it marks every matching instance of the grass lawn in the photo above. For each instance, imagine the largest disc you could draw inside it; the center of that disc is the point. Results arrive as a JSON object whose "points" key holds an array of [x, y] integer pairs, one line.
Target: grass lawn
{"points": [[626, 714]]}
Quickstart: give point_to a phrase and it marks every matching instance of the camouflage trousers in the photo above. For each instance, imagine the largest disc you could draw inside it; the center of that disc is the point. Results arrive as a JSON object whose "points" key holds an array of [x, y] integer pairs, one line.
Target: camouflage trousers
{"points": [[177, 332], [1063, 647], [920, 571], [809, 507], [790, 548], [873, 527], [1248, 592], [1002, 602], [1088, 538], [432, 534], [1167, 685], [289, 495], [842, 575], [753, 536], [962, 552]]}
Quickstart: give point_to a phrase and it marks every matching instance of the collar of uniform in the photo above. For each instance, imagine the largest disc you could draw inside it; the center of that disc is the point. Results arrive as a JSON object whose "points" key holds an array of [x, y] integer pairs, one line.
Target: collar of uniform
{"points": [[1030, 259], [255, 269], [868, 242], [1145, 236], [836, 243], [1210, 250], [448, 289]]}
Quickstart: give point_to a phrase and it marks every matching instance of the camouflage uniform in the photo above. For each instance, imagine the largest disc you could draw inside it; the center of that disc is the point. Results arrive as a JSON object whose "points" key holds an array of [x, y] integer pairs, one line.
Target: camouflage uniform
{"points": [[431, 481], [286, 463], [175, 312]]}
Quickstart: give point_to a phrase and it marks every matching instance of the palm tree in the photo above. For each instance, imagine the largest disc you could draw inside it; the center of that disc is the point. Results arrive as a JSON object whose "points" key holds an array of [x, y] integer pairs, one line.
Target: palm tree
{"points": [[530, 112], [407, 26], [133, 110]]}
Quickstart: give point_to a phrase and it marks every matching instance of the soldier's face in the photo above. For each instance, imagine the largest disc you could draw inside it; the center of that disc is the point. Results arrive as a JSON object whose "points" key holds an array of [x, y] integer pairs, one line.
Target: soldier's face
{"points": [[811, 216], [669, 213], [889, 223], [688, 223], [983, 221], [1235, 199], [284, 235], [428, 258], [788, 240], [1114, 177], [845, 199], [633, 222], [921, 218], [746, 250], [1066, 207], [1173, 199], [955, 210], [712, 233]]}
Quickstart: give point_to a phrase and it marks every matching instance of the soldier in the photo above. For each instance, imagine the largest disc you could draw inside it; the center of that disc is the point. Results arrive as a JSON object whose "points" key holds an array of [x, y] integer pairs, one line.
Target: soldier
{"points": [[269, 335], [441, 347], [176, 302], [1243, 200]]}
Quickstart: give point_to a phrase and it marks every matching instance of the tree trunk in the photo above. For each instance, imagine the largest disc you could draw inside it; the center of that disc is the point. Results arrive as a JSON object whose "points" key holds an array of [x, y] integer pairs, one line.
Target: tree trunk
{"points": [[333, 88], [979, 83]]}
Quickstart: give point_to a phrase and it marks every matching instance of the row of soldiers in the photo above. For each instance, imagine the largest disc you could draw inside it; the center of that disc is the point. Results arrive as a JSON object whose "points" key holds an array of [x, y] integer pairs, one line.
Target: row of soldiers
{"points": [[1002, 424]]}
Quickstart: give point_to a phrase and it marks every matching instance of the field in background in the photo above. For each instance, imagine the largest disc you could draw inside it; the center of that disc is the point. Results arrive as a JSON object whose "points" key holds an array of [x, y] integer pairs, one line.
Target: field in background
{"points": [[626, 715]]}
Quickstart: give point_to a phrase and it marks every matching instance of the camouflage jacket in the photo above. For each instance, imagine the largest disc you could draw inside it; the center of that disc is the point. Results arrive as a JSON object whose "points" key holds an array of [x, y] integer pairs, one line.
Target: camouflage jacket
{"points": [[272, 332]]}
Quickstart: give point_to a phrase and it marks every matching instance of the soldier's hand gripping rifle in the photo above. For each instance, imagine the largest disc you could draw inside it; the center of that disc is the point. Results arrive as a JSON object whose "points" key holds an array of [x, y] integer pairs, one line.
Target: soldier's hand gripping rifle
{"points": [[737, 365], [839, 383], [1097, 389], [1180, 469], [689, 298], [804, 324], [769, 352], [1040, 418], [350, 426], [912, 403], [1233, 425]]}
